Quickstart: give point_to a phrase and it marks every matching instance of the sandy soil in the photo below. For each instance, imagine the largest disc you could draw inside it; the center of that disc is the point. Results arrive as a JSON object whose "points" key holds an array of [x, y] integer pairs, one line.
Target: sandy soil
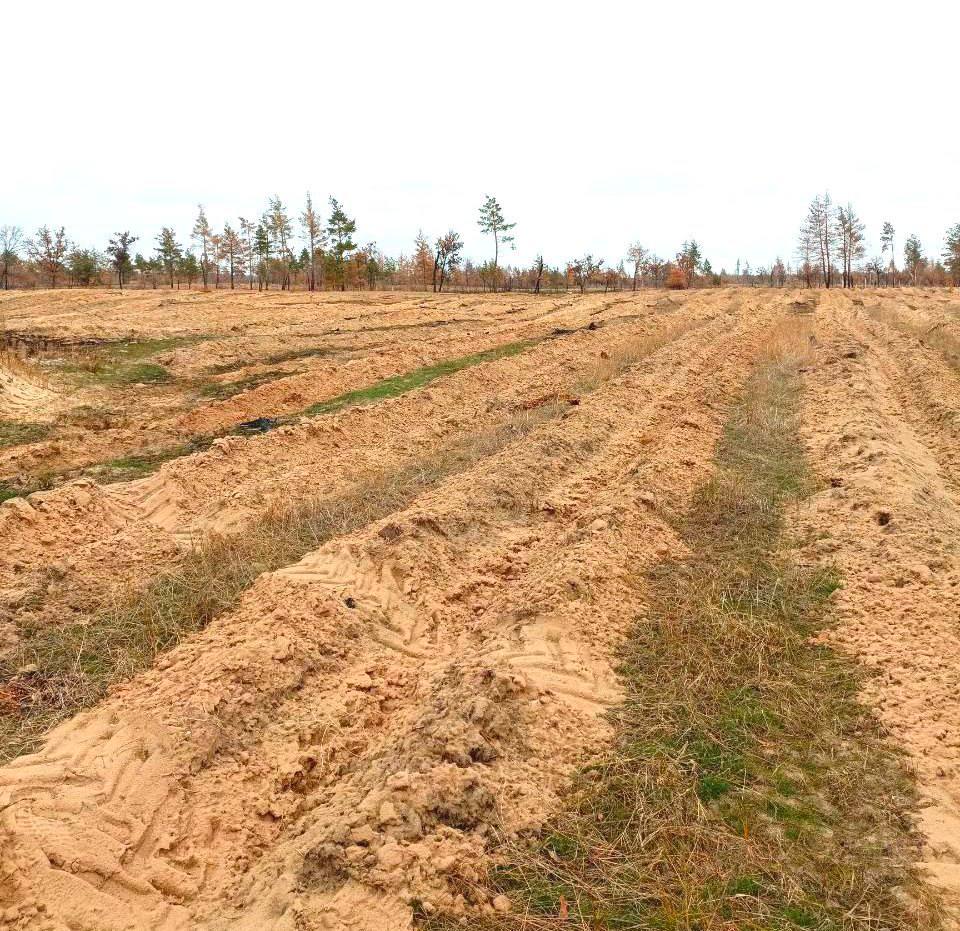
{"points": [[882, 421], [353, 736], [353, 342]]}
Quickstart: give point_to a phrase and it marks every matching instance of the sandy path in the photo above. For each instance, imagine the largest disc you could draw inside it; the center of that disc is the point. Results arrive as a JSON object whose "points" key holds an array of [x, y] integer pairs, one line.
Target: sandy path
{"points": [[880, 420], [312, 762]]}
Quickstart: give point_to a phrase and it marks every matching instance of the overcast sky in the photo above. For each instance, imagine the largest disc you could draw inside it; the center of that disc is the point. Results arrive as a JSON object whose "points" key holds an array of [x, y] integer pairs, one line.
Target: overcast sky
{"points": [[594, 124]]}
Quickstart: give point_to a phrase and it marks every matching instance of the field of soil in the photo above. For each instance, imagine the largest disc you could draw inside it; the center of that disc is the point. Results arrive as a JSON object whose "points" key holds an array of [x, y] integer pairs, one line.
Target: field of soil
{"points": [[351, 741]]}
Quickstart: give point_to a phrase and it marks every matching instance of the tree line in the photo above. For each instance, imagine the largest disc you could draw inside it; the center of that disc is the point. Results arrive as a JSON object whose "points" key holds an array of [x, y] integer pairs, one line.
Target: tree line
{"points": [[832, 251], [315, 252]]}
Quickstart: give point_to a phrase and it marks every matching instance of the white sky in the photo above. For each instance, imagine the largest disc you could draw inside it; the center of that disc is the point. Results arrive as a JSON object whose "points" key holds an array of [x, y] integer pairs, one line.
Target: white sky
{"points": [[594, 124]]}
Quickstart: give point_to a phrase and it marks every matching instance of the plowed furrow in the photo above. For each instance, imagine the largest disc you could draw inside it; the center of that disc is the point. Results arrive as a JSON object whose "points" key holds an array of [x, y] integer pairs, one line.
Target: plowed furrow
{"points": [[890, 520], [347, 740], [81, 542]]}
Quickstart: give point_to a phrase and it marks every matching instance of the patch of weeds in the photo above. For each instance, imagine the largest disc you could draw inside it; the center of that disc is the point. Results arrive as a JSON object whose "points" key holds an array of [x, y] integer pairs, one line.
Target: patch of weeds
{"points": [[125, 362], [747, 788], [937, 336], [92, 417], [20, 432], [71, 666], [99, 370], [221, 390], [12, 491], [147, 373], [43, 481], [128, 468], [418, 378], [138, 349], [292, 355]]}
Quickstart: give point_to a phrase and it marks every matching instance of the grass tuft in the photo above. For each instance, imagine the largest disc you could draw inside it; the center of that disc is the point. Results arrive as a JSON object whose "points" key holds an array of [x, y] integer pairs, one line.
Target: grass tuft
{"points": [[21, 432]]}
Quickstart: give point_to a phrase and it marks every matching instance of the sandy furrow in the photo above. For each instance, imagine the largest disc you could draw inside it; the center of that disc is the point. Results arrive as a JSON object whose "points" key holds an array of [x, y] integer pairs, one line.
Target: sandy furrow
{"points": [[158, 420], [68, 549], [348, 739], [889, 519], [929, 385], [163, 422]]}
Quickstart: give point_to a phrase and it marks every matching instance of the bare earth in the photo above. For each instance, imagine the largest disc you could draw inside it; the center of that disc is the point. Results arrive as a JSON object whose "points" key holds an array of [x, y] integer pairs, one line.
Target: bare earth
{"points": [[353, 736]]}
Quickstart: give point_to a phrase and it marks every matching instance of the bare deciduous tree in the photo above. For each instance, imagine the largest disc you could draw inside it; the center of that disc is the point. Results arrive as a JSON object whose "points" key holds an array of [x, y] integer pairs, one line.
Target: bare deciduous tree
{"points": [[638, 255], [48, 250], [850, 240], [446, 258], [584, 270], [312, 227], [11, 238], [819, 235]]}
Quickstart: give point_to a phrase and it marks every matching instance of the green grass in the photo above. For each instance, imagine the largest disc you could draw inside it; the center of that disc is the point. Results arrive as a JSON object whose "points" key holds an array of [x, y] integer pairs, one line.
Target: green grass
{"points": [[75, 663], [131, 467], [221, 390], [128, 468], [418, 378], [125, 362], [19, 432], [287, 355], [746, 788], [12, 491]]}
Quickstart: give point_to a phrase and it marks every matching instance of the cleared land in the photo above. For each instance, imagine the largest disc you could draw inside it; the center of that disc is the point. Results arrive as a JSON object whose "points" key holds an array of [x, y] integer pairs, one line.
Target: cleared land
{"points": [[352, 613]]}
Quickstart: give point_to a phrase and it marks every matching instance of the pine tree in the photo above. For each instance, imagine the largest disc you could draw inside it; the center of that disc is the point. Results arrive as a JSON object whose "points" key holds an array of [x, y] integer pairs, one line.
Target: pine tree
{"points": [[340, 229], [169, 251], [951, 253], [819, 235], [262, 247], [247, 231], [850, 239], [188, 268], [913, 258], [422, 258], [119, 251], [887, 242], [492, 221], [278, 225], [231, 248], [201, 236]]}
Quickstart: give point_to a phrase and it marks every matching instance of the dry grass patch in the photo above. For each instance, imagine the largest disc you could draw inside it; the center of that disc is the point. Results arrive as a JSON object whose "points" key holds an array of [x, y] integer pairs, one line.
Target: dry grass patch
{"points": [[747, 788], [615, 362], [937, 336]]}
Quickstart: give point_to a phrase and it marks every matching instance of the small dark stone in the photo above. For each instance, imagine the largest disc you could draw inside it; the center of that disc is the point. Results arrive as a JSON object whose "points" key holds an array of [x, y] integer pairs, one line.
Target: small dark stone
{"points": [[350, 602]]}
